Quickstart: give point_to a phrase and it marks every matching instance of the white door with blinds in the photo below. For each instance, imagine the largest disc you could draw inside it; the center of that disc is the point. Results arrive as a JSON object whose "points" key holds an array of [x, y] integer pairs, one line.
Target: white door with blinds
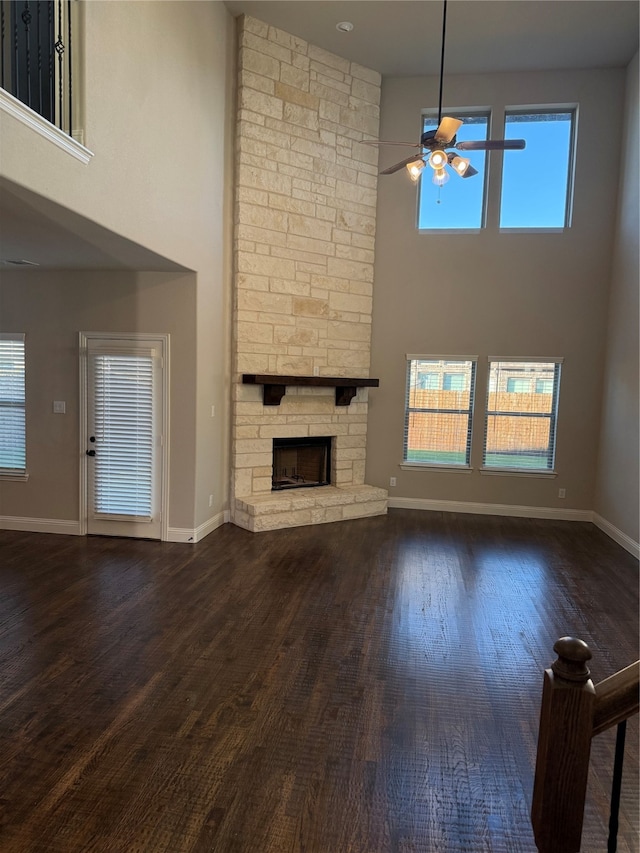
{"points": [[124, 454]]}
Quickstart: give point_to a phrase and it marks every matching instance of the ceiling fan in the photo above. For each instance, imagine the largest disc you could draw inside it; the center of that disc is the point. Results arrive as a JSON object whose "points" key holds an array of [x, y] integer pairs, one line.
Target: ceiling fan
{"points": [[434, 144]]}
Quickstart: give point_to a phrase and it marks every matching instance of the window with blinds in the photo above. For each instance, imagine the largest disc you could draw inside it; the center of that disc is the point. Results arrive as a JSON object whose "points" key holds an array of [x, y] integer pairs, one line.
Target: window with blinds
{"points": [[439, 410], [12, 404], [522, 412], [123, 429]]}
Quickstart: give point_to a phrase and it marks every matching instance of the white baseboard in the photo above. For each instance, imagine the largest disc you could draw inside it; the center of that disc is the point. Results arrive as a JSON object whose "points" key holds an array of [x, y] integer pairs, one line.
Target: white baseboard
{"points": [[522, 512], [72, 528], [492, 509], [40, 525], [185, 534], [617, 535]]}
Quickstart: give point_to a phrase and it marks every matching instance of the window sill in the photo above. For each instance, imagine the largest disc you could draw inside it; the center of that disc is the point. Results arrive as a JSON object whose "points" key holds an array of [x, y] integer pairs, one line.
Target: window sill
{"points": [[450, 230], [427, 466], [532, 230], [517, 472], [19, 476]]}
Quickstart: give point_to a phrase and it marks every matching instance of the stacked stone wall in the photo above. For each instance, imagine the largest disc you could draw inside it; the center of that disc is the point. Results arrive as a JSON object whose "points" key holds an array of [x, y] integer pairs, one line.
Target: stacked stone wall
{"points": [[304, 247]]}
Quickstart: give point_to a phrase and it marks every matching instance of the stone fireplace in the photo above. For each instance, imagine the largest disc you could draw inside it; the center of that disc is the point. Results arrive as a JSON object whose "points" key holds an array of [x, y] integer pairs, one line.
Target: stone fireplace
{"points": [[305, 211]]}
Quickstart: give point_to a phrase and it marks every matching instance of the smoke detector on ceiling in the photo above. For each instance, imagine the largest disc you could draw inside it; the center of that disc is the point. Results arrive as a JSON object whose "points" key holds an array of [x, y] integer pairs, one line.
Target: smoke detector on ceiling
{"points": [[344, 26]]}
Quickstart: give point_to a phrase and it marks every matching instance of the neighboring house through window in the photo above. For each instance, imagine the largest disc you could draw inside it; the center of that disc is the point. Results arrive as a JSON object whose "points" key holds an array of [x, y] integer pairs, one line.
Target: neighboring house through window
{"points": [[520, 426], [12, 405], [518, 386], [438, 418]]}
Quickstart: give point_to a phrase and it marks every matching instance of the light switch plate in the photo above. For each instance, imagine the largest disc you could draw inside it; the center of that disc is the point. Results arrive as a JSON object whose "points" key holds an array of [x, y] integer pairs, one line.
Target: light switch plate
{"points": [[59, 407]]}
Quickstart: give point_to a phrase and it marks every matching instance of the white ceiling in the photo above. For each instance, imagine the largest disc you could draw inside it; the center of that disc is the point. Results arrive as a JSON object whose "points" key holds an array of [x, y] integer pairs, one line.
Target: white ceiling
{"points": [[403, 37], [395, 37]]}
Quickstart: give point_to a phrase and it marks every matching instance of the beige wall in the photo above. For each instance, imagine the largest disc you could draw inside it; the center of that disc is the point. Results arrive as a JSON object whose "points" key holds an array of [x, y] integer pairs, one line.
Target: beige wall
{"points": [[51, 308], [617, 485], [492, 294], [154, 77], [158, 79]]}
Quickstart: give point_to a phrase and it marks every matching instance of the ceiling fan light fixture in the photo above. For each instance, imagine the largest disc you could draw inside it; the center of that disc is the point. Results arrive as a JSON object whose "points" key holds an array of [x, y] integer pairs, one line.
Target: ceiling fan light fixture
{"points": [[438, 159], [440, 177], [460, 164], [415, 169]]}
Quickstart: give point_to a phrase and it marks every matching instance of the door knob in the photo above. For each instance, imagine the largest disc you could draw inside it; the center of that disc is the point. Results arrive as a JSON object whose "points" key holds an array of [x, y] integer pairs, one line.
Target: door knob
{"points": [[91, 452]]}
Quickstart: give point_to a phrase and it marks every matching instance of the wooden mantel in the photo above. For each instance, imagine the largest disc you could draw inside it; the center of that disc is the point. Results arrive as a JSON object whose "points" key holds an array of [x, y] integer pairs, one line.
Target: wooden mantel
{"points": [[274, 387]]}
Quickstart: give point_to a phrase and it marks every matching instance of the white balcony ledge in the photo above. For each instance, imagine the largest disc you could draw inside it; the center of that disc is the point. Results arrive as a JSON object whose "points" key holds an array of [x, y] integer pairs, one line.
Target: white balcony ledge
{"points": [[13, 107]]}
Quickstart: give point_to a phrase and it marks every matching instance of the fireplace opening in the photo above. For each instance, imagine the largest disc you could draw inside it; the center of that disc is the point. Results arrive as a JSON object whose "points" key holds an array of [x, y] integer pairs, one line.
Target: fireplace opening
{"points": [[301, 462]]}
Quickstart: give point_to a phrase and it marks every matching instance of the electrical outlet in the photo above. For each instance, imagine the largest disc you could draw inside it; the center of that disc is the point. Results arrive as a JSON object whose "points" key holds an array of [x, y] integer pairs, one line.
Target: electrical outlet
{"points": [[392, 481], [213, 411], [59, 407], [562, 493], [316, 371], [210, 500]]}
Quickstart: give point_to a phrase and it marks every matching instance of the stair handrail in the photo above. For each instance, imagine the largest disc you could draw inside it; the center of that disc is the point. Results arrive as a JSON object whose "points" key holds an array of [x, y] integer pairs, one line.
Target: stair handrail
{"points": [[617, 698], [572, 712]]}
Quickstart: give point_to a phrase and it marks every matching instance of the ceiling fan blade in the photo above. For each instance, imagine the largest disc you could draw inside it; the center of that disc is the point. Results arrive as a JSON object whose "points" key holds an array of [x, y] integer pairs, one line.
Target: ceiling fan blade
{"points": [[491, 145], [470, 172], [397, 166], [447, 129], [384, 142]]}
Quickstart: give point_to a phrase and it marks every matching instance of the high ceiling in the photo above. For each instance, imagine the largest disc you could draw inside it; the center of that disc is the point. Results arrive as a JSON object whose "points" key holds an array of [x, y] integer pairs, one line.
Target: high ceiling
{"points": [[395, 37], [403, 37]]}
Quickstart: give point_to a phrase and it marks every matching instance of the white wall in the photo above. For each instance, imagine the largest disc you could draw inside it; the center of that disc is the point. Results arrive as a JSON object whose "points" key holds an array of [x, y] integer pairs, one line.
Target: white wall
{"points": [[618, 477], [158, 83], [492, 294]]}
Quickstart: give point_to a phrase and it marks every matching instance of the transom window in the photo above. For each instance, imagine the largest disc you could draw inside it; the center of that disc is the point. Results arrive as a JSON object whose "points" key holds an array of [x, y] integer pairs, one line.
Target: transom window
{"points": [[460, 204], [12, 405], [536, 182], [522, 410], [438, 414]]}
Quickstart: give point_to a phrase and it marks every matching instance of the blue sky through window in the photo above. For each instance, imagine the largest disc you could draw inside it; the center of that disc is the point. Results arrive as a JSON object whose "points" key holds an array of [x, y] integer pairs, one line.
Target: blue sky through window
{"points": [[535, 181], [460, 203]]}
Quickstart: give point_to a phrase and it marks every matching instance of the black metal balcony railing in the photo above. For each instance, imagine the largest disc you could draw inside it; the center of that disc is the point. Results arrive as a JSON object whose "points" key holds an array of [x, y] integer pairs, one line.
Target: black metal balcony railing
{"points": [[36, 57]]}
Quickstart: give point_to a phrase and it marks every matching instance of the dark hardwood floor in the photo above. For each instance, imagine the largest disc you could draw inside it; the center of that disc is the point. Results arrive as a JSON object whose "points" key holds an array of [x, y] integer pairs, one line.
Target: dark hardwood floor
{"points": [[370, 686]]}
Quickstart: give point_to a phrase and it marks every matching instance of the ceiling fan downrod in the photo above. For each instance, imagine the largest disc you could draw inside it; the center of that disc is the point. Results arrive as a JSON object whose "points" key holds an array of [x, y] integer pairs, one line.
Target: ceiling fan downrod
{"points": [[444, 31]]}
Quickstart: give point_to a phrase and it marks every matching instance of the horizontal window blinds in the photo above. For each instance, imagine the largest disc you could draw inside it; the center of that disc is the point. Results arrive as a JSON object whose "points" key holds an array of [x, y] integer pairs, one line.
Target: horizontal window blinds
{"points": [[123, 424], [438, 414], [12, 403], [522, 408]]}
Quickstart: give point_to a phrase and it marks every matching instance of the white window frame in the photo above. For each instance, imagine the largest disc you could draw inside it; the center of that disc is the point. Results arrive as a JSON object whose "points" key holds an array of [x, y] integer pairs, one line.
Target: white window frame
{"points": [[452, 360], [461, 113], [17, 473], [552, 416], [546, 109]]}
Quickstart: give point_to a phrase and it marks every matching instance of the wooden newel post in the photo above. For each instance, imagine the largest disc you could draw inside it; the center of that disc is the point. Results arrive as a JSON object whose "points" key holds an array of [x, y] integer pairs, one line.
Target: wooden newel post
{"points": [[564, 744]]}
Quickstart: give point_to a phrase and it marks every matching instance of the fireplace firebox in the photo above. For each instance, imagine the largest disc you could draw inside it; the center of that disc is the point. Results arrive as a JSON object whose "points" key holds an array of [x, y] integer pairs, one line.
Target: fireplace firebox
{"points": [[301, 462]]}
